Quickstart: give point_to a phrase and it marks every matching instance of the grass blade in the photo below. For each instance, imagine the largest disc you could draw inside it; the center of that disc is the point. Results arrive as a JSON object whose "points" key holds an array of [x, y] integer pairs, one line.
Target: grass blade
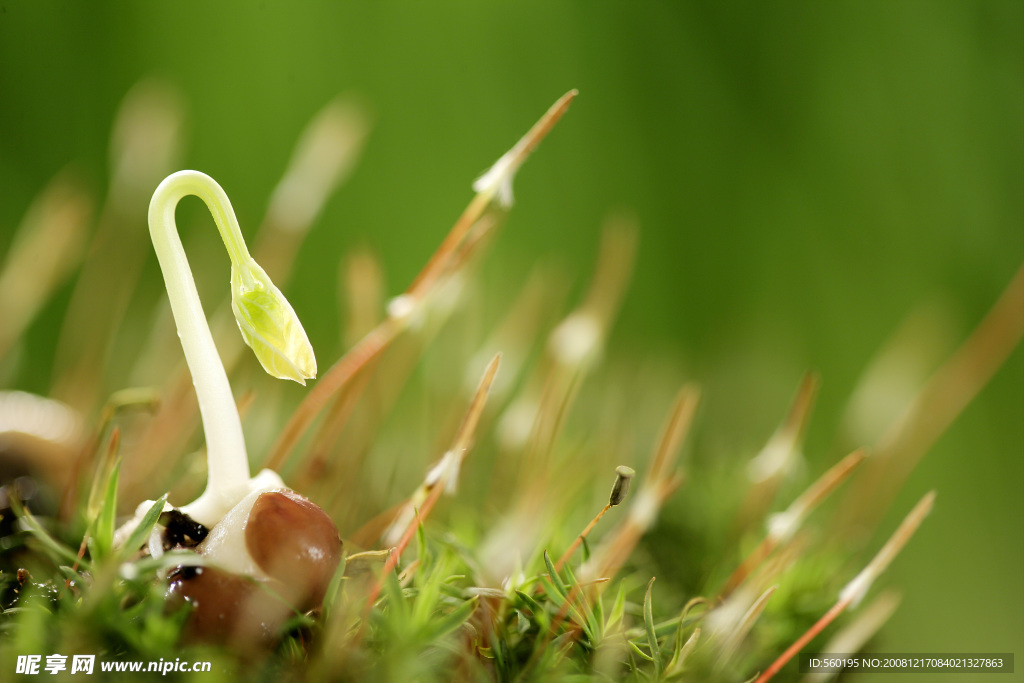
{"points": [[652, 637], [141, 532]]}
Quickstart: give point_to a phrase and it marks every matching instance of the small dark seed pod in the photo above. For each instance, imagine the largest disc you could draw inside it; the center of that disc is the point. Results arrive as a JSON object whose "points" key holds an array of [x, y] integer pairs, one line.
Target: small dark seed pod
{"points": [[621, 487]]}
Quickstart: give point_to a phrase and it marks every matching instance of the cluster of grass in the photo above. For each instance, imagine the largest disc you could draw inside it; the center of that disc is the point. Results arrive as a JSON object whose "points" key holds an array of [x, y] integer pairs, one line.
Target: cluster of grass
{"points": [[513, 583]]}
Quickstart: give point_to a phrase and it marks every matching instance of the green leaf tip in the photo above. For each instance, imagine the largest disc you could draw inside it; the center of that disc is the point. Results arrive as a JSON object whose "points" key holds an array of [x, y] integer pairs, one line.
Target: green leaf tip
{"points": [[269, 325]]}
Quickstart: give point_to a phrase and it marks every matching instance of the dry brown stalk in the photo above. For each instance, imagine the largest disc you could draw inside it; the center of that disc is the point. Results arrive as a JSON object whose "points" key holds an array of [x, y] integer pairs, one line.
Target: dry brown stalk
{"points": [[374, 343], [616, 548], [780, 455], [438, 479], [784, 525], [939, 402], [854, 591]]}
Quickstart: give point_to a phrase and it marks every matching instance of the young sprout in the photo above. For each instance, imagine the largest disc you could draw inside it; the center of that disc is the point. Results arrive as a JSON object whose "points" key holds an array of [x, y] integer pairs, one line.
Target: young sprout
{"points": [[267, 323], [258, 530]]}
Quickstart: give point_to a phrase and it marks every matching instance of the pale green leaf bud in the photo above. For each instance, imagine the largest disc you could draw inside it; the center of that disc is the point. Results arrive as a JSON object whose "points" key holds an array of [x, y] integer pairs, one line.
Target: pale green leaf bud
{"points": [[269, 325]]}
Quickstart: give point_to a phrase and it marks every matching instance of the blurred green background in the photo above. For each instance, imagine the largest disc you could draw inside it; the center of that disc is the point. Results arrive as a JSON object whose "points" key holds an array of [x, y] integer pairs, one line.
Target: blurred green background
{"points": [[805, 175]]}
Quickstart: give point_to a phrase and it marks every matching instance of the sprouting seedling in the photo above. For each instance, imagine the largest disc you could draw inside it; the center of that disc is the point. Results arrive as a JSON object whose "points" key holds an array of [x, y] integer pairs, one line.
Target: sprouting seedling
{"points": [[265, 318]]}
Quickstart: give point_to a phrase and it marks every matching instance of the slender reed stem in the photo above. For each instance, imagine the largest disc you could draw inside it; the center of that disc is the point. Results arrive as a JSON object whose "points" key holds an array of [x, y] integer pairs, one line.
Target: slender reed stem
{"points": [[807, 637], [579, 539], [439, 477]]}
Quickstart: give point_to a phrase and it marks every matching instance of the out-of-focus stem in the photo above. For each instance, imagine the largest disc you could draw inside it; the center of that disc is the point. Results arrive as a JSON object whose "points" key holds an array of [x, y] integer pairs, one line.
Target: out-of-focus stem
{"points": [[854, 591], [782, 526], [939, 402]]}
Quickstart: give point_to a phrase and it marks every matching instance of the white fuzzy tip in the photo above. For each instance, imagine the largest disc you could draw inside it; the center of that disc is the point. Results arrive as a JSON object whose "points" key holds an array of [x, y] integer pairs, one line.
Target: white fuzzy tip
{"points": [[401, 307], [855, 591], [449, 464], [858, 588], [782, 526], [516, 424], [40, 417], [496, 182], [645, 508], [775, 459], [576, 339]]}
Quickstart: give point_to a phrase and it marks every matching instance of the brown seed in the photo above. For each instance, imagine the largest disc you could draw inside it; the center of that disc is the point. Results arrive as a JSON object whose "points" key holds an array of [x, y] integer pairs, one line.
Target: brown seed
{"points": [[227, 609], [295, 542]]}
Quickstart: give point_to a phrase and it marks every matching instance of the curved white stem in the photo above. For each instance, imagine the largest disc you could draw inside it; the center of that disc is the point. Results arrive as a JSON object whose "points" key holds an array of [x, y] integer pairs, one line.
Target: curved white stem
{"points": [[226, 455]]}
